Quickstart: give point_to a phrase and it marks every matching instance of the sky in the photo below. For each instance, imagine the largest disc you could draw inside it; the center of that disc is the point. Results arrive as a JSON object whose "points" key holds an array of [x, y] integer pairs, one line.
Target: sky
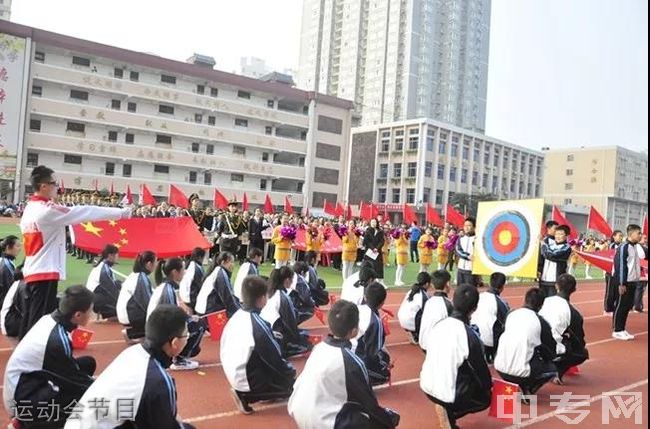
{"points": [[562, 73]]}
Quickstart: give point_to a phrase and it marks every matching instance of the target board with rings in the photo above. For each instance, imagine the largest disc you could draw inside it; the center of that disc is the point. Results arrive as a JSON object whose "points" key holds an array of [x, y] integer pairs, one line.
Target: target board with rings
{"points": [[506, 238]]}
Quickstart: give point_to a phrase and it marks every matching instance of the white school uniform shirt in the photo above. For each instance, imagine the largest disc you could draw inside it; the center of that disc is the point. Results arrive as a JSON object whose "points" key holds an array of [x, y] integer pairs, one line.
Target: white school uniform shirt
{"points": [[243, 272], [6, 305], [523, 334], [206, 288], [436, 308], [466, 243], [185, 286], [271, 311], [557, 312], [408, 310], [485, 316], [351, 293]]}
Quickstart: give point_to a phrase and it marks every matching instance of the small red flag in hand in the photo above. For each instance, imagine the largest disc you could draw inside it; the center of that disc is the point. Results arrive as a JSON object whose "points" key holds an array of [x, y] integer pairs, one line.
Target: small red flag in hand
{"points": [[388, 312], [319, 315], [333, 299], [385, 323], [573, 371], [315, 339], [80, 338], [506, 394], [216, 322]]}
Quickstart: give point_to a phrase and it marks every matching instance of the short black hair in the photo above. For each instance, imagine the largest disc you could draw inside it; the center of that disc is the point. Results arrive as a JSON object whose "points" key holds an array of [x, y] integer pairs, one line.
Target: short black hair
{"points": [[535, 299], [440, 279], [172, 264], [564, 228], [310, 257], [367, 274], [198, 254], [109, 249], [300, 267], [223, 257], [278, 277], [255, 253], [252, 289], [616, 232], [551, 224], [471, 220], [165, 323], [75, 298], [497, 281], [143, 259], [465, 299], [342, 318], [632, 228], [8, 241], [566, 284], [375, 295], [40, 175]]}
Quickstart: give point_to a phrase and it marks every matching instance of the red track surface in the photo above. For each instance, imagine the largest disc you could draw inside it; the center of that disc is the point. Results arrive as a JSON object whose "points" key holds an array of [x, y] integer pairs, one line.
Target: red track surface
{"points": [[204, 399]]}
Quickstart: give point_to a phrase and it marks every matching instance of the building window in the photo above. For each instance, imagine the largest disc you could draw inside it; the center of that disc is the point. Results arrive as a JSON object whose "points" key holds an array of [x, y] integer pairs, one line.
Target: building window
{"points": [[477, 154], [32, 159], [198, 118], [80, 61], [396, 196], [168, 110], [428, 169], [39, 57], [168, 79], [212, 120], [268, 130], [118, 73], [109, 169], [452, 174], [594, 180], [200, 89], [570, 157], [330, 125], [397, 171], [485, 181], [463, 175], [441, 171], [161, 169], [412, 169], [486, 158], [129, 138], [209, 149], [383, 171], [442, 148], [76, 127], [413, 143], [244, 95], [207, 178], [196, 147], [214, 92], [270, 103], [426, 195], [239, 150], [131, 107], [116, 104], [265, 156], [569, 172], [439, 195], [134, 76], [495, 183], [512, 186], [192, 177], [126, 170], [454, 150], [241, 123], [236, 177], [381, 195], [34, 124], [568, 186], [164, 139], [112, 136], [410, 196], [78, 95], [385, 145], [399, 144], [465, 153], [262, 184], [72, 159], [475, 178], [429, 144], [37, 91]]}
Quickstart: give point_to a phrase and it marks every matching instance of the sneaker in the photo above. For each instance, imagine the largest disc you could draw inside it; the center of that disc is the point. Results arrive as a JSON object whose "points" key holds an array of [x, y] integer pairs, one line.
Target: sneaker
{"points": [[241, 404], [558, 381], [622, 336], [628, 335], [638, 311], [183, 364]]}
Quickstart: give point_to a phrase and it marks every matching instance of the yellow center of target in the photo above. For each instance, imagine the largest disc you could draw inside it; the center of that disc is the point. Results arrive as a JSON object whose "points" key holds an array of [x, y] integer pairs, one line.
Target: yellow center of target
{"points": [[505, 237]]}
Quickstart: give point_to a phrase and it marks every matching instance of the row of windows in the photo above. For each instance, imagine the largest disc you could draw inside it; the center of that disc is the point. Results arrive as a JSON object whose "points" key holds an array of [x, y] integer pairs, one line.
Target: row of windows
{"points": [[412, 167], [382, 194]]}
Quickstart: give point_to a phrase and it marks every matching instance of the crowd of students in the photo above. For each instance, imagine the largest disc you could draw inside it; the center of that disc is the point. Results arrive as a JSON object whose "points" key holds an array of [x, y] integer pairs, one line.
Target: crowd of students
{"points": [[164, 324]]}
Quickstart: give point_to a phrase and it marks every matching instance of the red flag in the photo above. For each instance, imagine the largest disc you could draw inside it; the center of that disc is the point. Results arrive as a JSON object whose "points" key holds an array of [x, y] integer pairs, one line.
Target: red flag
{"points": [[268, 205], [348, 213], [220, 201], [340, 210], [147, 198], [408, 214], [62, 187], [645, 223], [329, 208], [128, 197], [216, 322], [385, 322], [605, 260], [132, 236], [244, 204], [598, 223], [332, 244], [315, 339], [574, 371], [558, 217], [433, 217], [288, 208], [454, 217], [319, 315], [80, 338], [112, 189], [390, 313], [177, 197], [385, 212], [365, 212], [506, 394], [333, 299], [374, 209]]}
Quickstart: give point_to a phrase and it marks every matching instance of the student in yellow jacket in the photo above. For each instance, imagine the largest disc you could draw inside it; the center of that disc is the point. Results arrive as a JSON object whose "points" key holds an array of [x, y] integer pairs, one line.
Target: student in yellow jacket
{"points": [[426, 250], [443, 254], [350, 245], [282, 245], [385, 250], [401, 255], [314, 240]]}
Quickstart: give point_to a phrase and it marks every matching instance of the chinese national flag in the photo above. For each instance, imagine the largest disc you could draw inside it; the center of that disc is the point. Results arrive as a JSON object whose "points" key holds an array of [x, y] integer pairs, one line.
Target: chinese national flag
{"points": [[80, 338], [216, 322], [268, 205], [147, 198], [244, 204], [340, 210], [177, 197], [167, 237], [409, 214], [454, 217], [319, 315], [508, 395], [598, 223], [433, 217], [558, 217], [288, 208], [329, 208], [220, 201]]}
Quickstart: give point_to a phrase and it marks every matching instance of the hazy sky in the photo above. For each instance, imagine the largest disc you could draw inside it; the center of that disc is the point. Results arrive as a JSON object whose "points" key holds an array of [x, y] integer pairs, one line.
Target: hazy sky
{"points": [[562, 72]]}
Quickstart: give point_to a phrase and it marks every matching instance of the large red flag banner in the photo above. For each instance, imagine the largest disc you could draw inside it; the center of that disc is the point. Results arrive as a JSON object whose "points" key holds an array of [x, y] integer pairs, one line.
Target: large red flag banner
{"points": [[333, 244], [598, 223], [454, 217], [167, 237], [558, 217]]}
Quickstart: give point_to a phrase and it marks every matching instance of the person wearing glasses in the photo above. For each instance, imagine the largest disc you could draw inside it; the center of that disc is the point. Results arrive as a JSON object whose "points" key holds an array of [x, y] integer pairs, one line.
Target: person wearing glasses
{"points": [[43, 228]]}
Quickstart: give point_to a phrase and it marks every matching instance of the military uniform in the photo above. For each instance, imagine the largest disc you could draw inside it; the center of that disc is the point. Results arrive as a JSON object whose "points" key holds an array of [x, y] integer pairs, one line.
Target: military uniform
{"points": [[230, 231]]}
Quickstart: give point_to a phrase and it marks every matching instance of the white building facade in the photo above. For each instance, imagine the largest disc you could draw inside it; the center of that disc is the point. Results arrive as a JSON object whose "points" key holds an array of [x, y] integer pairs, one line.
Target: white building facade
{"points": [[103, 115], [5, 9], [399, 59]]}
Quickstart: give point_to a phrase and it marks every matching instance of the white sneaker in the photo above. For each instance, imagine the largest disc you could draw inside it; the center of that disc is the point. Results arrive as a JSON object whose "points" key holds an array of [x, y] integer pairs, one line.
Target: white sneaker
{"points": [[183, 364], [622, 336], [629, 336]]}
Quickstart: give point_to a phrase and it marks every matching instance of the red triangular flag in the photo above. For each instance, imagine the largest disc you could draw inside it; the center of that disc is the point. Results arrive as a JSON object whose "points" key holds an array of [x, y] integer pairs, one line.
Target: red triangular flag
{"points": [[558, 217], [348, 212], [385, 321], [454, 217], [244, 204], [319, 315], [374, 210], [504, 395], [268, 205], [340, 210], [220, 201], [80, 338], [128, 197], [433, 217], [216, 322], [645, 223], [177, 197], [390, 313], [147, 198], [288, 208], [329, 208], [598, 223], [408, 214]]}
